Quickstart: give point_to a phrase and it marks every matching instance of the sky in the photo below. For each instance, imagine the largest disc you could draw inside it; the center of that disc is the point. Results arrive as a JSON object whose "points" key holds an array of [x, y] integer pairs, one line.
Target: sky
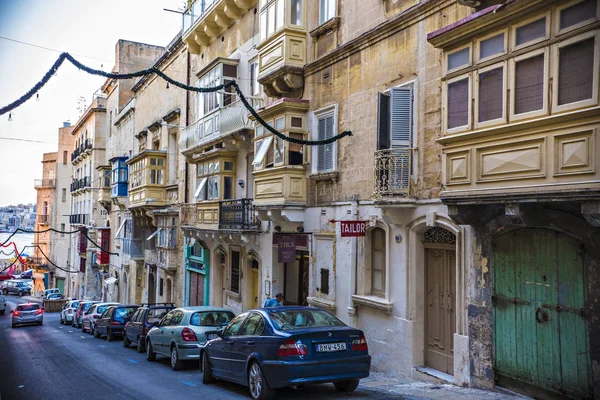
{"points": [[88, 30]]}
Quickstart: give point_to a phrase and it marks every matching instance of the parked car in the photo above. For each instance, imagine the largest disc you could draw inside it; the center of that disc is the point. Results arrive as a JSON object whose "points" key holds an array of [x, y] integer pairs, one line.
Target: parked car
{"points": [[16, 287], [28, 313], [144, 318], [55, 296], [2, 304], [81, 309], [113, 320], [270, 348], [91, 315], [25, 275], [48, 292], [67, 312], [5, 277], [182, 332]]}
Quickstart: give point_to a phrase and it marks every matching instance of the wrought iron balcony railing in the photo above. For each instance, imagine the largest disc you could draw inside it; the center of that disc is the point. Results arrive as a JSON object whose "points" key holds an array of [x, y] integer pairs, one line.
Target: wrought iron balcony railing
{"points": [[80, 219], [237, 214], [392, 172], [82, 183]]}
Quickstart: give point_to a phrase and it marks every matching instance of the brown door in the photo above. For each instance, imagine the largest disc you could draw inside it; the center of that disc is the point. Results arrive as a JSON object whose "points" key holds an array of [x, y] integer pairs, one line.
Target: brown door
{"points": [[440, 322], [196, 289], [295, 291]]}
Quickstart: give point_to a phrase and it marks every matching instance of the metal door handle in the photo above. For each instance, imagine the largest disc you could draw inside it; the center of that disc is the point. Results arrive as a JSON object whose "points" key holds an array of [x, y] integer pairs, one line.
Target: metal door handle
{"points": [[250, 342]]}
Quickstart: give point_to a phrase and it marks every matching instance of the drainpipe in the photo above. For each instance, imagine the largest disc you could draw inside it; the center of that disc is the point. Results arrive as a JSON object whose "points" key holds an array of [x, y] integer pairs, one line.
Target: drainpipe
{"points": [[353, 265]]}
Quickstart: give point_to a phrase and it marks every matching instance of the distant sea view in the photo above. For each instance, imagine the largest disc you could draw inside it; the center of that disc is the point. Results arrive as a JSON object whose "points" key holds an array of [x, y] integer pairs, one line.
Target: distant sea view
{"points": [[21, 239]]}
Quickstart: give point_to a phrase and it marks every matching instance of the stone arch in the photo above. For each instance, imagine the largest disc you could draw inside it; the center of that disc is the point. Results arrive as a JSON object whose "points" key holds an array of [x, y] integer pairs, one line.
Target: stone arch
{"points": [[169, 291], [218, 272]]}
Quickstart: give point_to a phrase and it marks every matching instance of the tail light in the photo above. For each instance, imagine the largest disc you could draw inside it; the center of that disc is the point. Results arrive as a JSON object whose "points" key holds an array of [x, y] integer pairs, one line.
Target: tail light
{"points": [[360, 344], [70, 311], [115, 323], [95, 316], [291, 347], [40, 311], [188, 335], [16, 313]]}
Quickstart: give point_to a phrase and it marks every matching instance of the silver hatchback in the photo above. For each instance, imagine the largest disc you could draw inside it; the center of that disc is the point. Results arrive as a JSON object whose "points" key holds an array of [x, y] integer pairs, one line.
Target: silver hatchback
{"points": [[28, 313]]}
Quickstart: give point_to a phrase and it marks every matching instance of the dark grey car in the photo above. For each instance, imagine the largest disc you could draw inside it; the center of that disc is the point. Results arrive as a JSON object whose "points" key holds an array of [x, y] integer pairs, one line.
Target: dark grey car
{"points": [[16, 287]]}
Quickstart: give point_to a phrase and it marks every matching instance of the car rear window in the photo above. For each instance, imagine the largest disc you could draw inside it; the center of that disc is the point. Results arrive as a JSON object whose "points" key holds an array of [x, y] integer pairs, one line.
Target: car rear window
{"points": [[101, 309], [299, 319], [75, 304], [123, 313], [211, 318], [87, 306], [157, 314], [28, 307]]}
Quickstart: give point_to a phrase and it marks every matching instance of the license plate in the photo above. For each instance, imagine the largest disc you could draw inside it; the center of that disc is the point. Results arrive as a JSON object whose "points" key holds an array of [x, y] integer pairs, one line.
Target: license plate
{"points": [[211, 336], [327, 347]]}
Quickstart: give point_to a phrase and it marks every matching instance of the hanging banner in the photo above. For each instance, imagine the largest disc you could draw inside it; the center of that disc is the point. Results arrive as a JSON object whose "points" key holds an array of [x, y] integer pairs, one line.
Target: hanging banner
{"points": [[286, 249], [353, 228]]}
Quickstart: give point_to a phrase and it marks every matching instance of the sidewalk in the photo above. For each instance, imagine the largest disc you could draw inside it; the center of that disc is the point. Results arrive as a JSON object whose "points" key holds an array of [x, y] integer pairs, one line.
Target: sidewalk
{"points": [[416, 390]]}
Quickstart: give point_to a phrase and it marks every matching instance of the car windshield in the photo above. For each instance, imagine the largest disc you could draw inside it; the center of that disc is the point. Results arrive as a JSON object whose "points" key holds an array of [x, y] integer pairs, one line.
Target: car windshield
{"points": [[101, 309], [75, 304], [211, 318], [28, 307], [297, 319], [156, 314], [123, 313]]}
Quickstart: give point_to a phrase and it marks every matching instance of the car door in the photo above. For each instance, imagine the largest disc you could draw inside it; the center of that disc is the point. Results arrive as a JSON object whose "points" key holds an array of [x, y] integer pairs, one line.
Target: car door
{"points": [[104, 320], [158, 337], [220, 350], [244, 344], [173, 331], [131, 327]]}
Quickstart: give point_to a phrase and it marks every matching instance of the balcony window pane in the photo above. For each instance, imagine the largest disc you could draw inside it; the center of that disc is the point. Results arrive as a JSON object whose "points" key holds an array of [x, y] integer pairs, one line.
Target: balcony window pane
{"points": [[153, 178], [295, 150], [210, 168], [532, 31], [490, 95], [217, 166], [280, 123], [278, 150], [227, 188], [200, 169], [575, 72], [491, 46], [529, 84], [211, 180], [153, 161], [326, 10], [578, 13], [296, 14], [262, 146], [263, 26], [280, 15], [458, 59], [228, 166], [216, 188], [200, 190], [160, 177], [458, 103], [271, 20], [260, 130]]}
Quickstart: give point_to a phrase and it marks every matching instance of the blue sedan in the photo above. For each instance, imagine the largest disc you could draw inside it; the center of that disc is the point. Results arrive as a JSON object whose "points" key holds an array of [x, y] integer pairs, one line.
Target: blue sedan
{"points": [[270, 348]]}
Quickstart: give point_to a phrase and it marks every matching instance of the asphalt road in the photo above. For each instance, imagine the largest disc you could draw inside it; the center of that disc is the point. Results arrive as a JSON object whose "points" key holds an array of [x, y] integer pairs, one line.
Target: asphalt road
{"points": [[58, 362]]}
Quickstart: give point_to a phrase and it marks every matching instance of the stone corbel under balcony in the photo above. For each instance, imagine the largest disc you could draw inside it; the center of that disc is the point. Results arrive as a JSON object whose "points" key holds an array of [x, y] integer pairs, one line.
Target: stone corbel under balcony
{"points": [[287, 214], [288, 81]]}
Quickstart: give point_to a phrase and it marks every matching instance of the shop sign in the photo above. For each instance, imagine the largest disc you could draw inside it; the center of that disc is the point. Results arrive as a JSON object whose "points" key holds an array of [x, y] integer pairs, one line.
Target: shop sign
{"points": [[286, 249], [353, 228]]}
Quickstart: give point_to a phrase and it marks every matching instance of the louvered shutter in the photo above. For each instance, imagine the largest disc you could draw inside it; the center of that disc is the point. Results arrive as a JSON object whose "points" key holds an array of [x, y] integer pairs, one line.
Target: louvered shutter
{"points": [[401, 135], [329, 147], [321, 149], [383, 122]]}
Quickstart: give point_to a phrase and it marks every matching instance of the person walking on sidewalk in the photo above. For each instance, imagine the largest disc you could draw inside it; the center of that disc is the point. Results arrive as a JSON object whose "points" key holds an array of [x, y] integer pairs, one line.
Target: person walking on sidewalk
{"points": [[276, 302]]}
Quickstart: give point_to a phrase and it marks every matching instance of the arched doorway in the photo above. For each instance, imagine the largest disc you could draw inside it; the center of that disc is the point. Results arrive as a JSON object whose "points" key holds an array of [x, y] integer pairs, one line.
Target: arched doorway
{"points": [[540, 327], [251, 291], [440, 298]]}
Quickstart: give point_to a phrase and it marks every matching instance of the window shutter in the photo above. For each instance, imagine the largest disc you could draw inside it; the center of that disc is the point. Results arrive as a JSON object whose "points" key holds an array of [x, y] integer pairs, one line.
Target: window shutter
{"points": [[401, 117], [321, 151], [329, 147], [383, 122]]}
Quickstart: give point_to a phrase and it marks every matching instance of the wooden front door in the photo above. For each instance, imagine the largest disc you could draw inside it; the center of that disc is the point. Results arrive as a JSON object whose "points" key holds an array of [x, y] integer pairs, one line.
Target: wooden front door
{"points": [[440, 281], [540, 330], [254, 273], [295, 290], [196, 296]]}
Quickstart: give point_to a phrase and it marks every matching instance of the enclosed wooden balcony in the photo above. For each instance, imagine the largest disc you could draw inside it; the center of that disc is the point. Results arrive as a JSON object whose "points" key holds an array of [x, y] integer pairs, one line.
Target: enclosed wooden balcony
{"points": [[218, 124], [147, 174], [206, 20], [237, 214], [282, 52]]}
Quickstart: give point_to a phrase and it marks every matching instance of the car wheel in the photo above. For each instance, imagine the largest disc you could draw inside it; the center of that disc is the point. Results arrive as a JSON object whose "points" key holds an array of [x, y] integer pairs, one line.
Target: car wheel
{"points": [[2, 312], [150, 354], [207, 376], [41, 322], [126, 341], [14, 325], [109, 336], [140, 345], [82, 328], [62, 322], [5, 292], [257, 383], [96, 333], [176, 363], [20, 293], [346, 386]]}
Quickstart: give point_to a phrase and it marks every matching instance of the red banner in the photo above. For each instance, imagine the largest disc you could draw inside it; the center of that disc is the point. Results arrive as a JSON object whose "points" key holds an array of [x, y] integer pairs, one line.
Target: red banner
{"points": [[353, 228]]}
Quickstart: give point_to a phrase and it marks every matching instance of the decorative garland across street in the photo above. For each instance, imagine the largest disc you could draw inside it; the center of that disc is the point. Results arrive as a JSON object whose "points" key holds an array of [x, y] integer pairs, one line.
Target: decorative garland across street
{"points": [[154, 70]]}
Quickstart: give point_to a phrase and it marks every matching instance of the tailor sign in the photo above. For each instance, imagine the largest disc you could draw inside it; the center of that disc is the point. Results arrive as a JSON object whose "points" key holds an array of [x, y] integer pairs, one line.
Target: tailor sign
{"points": [[353, 228]]}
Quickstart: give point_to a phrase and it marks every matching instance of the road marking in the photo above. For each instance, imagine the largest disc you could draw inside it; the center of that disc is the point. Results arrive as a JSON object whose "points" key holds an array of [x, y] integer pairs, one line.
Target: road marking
{"points": [[70, 331], [133, 361], [83, 337], [22, 386], [102, 346], [188, 383]]}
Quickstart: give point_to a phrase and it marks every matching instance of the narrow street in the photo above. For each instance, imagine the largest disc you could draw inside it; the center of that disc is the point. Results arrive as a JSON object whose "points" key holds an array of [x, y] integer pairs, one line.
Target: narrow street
{"points": [[58, 362]]}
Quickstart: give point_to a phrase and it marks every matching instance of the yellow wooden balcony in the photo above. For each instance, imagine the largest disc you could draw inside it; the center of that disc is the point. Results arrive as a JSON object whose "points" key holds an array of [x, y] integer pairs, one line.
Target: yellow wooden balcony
{"points": [[280, 186], [147, 175], [206, 20]]}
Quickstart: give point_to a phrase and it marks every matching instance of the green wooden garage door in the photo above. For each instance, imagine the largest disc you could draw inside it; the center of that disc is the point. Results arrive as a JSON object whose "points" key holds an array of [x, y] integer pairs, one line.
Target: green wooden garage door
{"points": [[540, 333]]}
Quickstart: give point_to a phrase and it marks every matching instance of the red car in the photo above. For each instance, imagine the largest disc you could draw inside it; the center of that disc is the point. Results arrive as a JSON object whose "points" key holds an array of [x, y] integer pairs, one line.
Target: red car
{"points": [[5, 277]]}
